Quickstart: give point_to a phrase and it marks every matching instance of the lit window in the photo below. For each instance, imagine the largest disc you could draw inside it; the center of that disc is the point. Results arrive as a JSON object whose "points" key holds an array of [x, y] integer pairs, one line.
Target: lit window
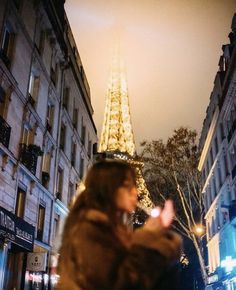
{"points": [[41, 219], [20, 203], [33, 88], [50, 115], [7, 46]]}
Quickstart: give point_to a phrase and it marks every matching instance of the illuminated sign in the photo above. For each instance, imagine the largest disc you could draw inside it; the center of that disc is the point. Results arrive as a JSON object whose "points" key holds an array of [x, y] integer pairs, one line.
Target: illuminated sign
{"points": [[228, 263], [16, 230], [36, 262], [212, 279]]}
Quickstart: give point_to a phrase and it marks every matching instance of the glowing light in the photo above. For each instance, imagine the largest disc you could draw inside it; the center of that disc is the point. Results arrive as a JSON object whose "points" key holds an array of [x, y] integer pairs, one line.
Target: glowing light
{"points": [[199, 230], [155, 212], [117, 135], [54, 279], [45, 278], [228, 263]]}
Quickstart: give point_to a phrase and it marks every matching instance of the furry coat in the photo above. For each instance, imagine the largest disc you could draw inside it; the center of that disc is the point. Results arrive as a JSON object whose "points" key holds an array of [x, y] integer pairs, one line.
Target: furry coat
{"points": [[94, 256]]}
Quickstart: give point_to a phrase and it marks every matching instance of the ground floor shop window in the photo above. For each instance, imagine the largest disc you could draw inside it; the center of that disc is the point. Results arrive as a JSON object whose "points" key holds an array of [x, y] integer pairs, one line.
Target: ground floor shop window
{"points": [[15, 269], [36, 281]]}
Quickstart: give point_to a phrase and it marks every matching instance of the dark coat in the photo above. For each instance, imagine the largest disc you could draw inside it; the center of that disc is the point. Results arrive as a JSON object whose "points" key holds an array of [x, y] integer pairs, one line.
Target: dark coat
{"points": [[95, 257]]}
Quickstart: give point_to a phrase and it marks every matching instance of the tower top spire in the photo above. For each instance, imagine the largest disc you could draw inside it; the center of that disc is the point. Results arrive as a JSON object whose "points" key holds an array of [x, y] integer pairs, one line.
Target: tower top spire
{"points": [[117, 133]]}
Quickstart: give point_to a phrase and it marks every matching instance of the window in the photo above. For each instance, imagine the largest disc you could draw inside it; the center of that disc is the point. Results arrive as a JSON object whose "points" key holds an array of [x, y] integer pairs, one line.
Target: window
{"points": [[225, 165], [211, 157], [7, 46], [47, 161], [59, 183], [70, 193], [216, 145], [83, 133], [28, 136], [81, 168], [41, 44], [46, 169], [50, 115], [56, 226], [220, 177], [41, 219], [73, 152], [20, 203], [66, 96], [89, 148], [75, 118], [63, 136], [33, 88], [54, 74], [214, 188], [222, 133], [2, 101]]}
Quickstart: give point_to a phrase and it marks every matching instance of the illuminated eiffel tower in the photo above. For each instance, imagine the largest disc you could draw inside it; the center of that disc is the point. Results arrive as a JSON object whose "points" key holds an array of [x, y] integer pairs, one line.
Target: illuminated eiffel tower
{"points": [[117, 139]]}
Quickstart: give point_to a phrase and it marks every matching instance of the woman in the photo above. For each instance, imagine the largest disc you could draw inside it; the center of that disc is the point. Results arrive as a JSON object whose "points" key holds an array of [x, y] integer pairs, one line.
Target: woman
{"points": [[98, 251]]}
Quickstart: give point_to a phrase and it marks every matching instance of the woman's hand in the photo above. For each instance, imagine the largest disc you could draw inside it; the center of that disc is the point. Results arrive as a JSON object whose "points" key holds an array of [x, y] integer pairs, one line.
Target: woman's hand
{"points": [[163, 219]]}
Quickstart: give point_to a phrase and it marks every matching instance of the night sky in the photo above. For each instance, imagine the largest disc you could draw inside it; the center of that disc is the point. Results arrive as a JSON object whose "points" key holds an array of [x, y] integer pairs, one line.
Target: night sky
{"points": [[171, 49]]}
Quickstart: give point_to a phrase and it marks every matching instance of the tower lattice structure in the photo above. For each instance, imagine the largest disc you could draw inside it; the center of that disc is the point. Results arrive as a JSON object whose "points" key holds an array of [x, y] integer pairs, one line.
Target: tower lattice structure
{"points": [[117, 138]]}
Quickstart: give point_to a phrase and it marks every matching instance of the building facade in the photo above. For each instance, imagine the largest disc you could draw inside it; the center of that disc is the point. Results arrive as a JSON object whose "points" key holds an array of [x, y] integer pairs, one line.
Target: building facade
{"points": [[47, 137], [218, 170]]}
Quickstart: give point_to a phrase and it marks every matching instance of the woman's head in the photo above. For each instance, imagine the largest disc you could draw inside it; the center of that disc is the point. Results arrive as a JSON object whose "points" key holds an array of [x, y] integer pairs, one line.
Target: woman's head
{"points": [[111, 186]]}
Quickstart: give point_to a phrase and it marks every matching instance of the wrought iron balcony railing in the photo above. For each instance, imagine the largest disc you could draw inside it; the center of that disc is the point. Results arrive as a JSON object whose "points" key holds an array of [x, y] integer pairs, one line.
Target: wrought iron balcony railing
{"points": [[29, 156], [5, 132]]}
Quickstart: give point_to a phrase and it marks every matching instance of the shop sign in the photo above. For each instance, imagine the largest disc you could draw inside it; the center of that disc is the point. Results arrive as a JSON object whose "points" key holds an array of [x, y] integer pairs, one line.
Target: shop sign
{"points": [[36, 262], [16, 230]]}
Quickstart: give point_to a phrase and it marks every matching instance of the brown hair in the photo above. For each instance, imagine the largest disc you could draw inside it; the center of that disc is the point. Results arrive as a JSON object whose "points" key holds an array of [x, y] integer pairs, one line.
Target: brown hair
{"points": [[101, 184]]}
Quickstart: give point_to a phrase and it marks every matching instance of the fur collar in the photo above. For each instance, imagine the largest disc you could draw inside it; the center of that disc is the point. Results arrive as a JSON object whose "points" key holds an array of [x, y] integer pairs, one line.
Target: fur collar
{"points": [[96, 216]]}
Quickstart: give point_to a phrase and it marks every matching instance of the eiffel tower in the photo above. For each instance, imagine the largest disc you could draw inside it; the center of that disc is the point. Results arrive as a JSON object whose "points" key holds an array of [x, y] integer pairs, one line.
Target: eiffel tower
{"points": [[117, 139]]}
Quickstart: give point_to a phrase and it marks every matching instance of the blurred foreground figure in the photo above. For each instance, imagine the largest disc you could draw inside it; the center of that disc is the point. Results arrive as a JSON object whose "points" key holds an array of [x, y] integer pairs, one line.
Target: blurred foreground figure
{"points": [[99, 252]]}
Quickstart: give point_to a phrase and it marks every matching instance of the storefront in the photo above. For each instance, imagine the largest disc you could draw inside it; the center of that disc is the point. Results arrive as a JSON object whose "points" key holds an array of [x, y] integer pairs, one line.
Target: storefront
{"points": [[36, 277], [16, 240], [222, 281]]}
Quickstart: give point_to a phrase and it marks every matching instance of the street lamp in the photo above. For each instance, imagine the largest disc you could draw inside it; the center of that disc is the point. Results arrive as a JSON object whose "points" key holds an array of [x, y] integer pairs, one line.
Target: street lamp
{"points": [[199, 230]]}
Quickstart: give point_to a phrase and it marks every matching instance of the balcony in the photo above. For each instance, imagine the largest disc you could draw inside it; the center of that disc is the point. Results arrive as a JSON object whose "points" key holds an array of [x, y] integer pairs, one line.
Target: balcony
{"points": [[5, 132], [29, 156], [231, 131], [232, 210]]}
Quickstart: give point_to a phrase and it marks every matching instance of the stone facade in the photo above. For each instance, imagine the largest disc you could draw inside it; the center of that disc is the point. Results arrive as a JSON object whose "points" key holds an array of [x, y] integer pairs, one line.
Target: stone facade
{"points": [[218, 170], [47, 133]]}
